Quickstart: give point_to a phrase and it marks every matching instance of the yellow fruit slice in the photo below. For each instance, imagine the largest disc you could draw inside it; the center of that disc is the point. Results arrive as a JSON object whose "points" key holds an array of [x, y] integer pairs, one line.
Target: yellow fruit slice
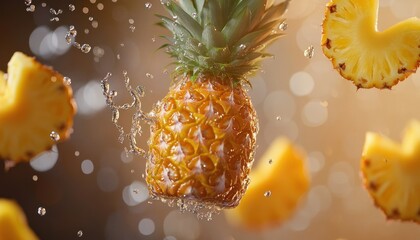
{"points": [[34, 102], [361, 53], [391, 173], [277, 184], [13, 225]]}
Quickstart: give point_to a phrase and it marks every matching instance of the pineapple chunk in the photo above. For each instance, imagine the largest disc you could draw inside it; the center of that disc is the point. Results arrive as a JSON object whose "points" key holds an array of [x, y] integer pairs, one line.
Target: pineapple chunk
{"points": [[34, 102], [361, 53], [275, 188], [13, 225], [391, 173]]}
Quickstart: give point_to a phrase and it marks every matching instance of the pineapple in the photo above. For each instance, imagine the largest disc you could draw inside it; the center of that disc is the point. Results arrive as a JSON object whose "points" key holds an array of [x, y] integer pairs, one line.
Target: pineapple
{"points": [[277, 184], [13, 225], [203, 138], [391, 173], [34, 104], [362, 54]]}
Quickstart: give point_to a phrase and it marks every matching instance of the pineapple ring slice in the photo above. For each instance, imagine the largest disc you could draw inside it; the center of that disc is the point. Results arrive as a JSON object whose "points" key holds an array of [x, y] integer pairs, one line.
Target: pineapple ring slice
{"points": [[391, 173], [34, 102], [277, 184], [361, 53], [13, 225]]}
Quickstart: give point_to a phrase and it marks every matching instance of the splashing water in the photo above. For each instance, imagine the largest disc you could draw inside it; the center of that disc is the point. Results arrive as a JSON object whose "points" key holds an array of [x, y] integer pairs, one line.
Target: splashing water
{"points": [[71, 39], [138, 117]]}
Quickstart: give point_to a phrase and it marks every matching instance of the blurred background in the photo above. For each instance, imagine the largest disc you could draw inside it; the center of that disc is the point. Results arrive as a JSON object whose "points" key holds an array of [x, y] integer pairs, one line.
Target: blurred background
{"points": [[87, 184]]}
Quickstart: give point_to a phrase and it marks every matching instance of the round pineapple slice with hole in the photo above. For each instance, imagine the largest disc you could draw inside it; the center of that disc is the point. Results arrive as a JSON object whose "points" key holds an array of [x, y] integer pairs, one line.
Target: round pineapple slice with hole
{"points": [[13, 225], [391, 173], [277, 185], [36, 109], [362, 54]]}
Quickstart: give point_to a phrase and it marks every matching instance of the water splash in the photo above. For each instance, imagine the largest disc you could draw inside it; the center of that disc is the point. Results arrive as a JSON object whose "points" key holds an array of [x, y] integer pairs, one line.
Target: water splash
{"points": [[70, 38], [138, 117]]}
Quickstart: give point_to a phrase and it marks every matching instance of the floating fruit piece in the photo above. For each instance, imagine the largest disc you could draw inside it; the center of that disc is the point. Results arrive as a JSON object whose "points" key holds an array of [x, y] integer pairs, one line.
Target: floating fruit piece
{"points": [[361, 53], [13, 225], [391, 173], [36, 109], [277, 185], [203, 138]]}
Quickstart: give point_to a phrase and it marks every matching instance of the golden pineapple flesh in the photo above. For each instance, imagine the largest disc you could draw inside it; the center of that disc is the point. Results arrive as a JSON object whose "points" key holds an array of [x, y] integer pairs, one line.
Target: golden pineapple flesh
{"points": [[277, 186], [202, 143], [362, 54], [35, 102], [13, 225], [391, 173]]}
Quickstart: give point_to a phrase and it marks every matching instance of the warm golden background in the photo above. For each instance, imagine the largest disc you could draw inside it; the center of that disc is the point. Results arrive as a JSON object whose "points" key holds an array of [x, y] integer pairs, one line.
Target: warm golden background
{"points": [[317, 109]]}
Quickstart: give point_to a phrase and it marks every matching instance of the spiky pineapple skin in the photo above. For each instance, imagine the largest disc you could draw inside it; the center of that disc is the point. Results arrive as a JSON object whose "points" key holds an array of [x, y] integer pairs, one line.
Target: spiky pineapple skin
{"points": [[202, 142]]}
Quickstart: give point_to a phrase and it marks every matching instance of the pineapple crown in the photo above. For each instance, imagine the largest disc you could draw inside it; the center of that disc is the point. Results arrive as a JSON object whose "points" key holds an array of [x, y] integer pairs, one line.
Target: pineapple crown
{"points": [[224, 38]]}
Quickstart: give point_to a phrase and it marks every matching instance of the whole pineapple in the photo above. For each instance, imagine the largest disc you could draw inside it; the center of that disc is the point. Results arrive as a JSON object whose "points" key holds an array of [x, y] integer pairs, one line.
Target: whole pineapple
{"points": [[203, 139]]}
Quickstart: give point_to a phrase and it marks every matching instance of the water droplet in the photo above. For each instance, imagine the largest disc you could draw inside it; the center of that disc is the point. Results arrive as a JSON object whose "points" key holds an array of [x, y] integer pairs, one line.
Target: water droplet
{"points": [[67, 81], [194, 15], [86, 31], [136, 191], [175, 17], [90, 19], [85, 48], [35, 178], [42, 211], [131, 21], [283, 26], [55, 19], [54, 136], [43, 4], [270, 161], [85, 10], [132, 28], [28, 2], [278, 118], [76, 153], [267, 194], [148, 75], [309, 52], [80, 233], [31, 8], [148, 5], [72, 7], [153, 39], [242, 46]]}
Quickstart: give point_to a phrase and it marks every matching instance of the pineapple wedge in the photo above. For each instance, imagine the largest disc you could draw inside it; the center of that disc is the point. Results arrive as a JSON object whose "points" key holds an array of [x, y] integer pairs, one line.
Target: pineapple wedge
{"points": [[362, 54], [391, 173], [13, 225], [34, 102], [275, 188]]}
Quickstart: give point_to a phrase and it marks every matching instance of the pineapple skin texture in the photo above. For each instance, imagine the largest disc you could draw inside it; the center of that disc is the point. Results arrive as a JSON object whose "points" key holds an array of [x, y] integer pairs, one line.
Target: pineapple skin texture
{"points": [[362, 54], [286, 178], [13, 225], [34, 102], [391, 173], [202, 143]]}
